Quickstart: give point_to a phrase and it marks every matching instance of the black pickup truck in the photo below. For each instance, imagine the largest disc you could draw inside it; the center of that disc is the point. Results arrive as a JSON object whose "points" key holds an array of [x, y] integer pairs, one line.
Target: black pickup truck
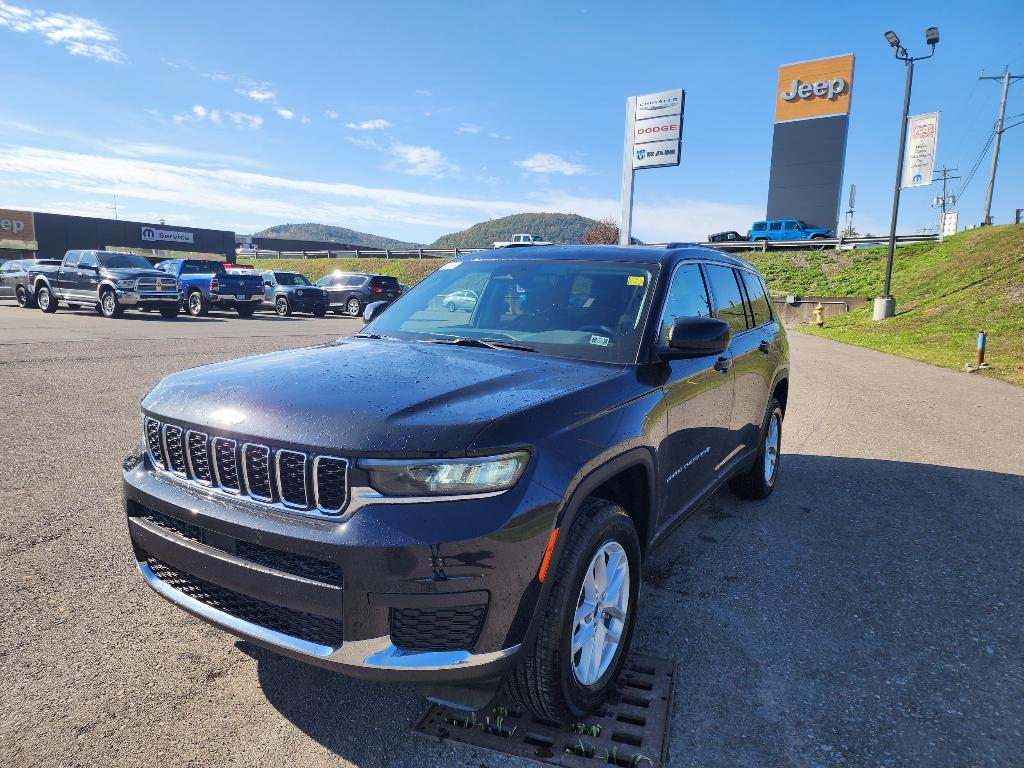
{"points": [[464, 500], [111, 281]]}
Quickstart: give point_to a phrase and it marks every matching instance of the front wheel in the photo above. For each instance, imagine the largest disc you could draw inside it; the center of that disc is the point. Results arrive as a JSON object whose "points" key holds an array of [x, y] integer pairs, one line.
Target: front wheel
{"points": [[110, 306], [450, 306], [282, 307], [45, 300], [21, 294], [588, 619], [759, 481]]}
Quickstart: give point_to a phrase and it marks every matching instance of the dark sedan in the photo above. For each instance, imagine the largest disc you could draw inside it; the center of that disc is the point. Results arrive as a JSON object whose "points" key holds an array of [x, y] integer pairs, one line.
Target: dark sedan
{"points": [[14, 280]]}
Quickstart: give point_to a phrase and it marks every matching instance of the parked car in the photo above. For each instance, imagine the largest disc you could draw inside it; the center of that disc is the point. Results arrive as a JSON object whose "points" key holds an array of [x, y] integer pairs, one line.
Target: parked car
{"points": [[15, 282], [350, 292], [110, 281], [464, 502], [786, 229], [289, 292], [726, 237], [464, 300], [206, 285], [518, 240]]}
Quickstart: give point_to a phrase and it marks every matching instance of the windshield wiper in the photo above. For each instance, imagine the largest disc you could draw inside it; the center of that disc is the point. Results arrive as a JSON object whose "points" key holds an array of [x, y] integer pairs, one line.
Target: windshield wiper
{"points": [[371, 336], [465, 341]]}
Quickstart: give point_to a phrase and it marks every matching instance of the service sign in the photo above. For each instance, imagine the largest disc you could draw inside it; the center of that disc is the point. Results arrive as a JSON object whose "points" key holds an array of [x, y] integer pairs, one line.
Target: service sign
{"points": [[657, 129], [919, 159], [656, 154], [661, 104], [151, 235]]}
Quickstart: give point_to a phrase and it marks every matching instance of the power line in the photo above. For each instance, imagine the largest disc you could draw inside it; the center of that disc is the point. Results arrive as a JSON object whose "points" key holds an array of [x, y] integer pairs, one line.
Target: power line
{"points": [[1007, 79], [977, 163]]}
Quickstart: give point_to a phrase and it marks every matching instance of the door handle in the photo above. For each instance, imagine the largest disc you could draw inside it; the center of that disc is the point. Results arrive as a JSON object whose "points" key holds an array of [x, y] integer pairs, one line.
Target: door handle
{"points": [[765, 347], [723, 363]]}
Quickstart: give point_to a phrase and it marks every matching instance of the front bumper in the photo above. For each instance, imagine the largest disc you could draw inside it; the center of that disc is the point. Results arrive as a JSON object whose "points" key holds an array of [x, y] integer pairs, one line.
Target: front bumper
{"points": [[219, 570], [148, 298]]}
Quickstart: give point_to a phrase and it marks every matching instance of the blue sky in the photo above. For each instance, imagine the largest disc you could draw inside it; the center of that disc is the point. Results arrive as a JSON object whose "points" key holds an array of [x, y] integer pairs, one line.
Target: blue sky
{"points": [[413, 119]]}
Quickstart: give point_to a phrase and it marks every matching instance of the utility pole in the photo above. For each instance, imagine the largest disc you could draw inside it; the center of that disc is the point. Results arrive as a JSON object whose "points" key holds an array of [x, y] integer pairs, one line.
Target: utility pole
{"points": [[950, 200], [1007, 78]]}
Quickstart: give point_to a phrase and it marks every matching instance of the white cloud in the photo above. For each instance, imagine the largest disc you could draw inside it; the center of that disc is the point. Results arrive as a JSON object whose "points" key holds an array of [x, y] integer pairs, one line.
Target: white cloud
{"points": [[331, 114], [543, 162], [222, 197], [468, 128], [369, 125], [423, 161], [424, 92], [151, 150], [243, 120], [287, 114], [79, 36], [494, 135], [261, 92], [199, 113], [217, 77], [305, 120]]}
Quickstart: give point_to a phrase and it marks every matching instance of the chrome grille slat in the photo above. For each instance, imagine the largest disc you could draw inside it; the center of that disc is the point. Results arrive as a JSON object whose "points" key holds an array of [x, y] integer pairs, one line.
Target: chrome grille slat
{"points": [[311, 483], [156, 284], [174, 449], [256, 471]]}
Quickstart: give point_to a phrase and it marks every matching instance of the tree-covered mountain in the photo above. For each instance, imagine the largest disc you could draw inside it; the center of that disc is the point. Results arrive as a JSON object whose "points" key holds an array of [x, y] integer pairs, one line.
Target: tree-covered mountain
{"points": [[556, 227], [328, 233]]}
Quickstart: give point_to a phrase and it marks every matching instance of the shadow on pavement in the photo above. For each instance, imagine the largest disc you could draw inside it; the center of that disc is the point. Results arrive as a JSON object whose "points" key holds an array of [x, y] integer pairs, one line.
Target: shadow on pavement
{"points": [[868, 613]]}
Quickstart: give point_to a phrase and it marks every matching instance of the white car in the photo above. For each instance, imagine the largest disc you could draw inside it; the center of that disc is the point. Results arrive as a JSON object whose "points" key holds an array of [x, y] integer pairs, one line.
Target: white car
{"points": [[521, 240], [465, 300]]}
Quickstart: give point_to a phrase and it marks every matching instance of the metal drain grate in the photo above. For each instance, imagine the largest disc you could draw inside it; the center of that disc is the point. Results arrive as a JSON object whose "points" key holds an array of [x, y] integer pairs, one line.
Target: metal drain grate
{"points": [[630, 730]]}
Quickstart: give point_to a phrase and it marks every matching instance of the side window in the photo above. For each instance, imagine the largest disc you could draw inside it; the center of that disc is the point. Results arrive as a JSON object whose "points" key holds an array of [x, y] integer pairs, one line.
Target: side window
{"points": [[775, 226], [88, 260], [71, 258], [727, 296], [759, 227], [687, 297], [759, 303]]}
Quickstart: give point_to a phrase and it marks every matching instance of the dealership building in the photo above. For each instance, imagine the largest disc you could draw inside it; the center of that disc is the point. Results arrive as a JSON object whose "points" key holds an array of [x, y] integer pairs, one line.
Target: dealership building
{"points": [[31, 235]]}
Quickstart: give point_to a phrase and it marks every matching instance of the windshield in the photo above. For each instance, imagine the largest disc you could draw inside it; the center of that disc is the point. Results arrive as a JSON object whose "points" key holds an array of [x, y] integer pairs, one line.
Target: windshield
{"points": [[572, 308], [290, 278], [122, 261], [202, 267]]}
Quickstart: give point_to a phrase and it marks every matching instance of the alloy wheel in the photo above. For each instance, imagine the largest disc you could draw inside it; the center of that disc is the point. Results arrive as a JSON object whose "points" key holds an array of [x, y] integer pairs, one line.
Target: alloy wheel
{"points": [[771, 450], [109, 303], [601, 613], [353, 307], [44, 299]]}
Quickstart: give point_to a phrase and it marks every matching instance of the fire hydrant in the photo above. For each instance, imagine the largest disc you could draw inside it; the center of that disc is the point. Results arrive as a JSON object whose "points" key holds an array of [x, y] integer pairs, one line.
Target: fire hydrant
{"points": [[819, 315]]}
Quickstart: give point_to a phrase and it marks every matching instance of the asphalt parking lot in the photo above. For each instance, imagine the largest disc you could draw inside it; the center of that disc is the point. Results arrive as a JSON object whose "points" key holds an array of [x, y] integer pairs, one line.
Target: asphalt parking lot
{"points": [[868, 614]]}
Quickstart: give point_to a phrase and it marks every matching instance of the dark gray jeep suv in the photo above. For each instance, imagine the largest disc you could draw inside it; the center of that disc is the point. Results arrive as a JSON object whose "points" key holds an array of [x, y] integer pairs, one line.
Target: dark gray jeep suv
{"points": [[463, 501]]}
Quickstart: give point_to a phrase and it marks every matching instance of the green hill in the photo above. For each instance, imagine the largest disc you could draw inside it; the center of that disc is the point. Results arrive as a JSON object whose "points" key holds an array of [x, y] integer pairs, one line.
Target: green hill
{"points": [[556, 227], [333, 234], [945, 293]]}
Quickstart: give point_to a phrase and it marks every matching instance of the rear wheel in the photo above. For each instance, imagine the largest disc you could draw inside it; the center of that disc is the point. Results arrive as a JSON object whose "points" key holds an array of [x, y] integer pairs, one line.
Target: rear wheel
{"points": [[196, 304], [45, 299], [587, 620], [353, 307], [759, 481], [109, 305], [282, 307]]}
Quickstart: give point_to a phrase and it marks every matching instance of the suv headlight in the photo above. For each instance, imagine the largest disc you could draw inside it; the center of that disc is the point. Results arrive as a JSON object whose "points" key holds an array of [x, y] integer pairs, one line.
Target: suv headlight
{"points": [[126, 285], [445, 477]]}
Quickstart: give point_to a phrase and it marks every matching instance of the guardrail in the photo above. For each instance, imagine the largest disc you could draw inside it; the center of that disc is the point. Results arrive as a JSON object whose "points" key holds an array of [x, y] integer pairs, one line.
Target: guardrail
{"points": [[449, 253]]}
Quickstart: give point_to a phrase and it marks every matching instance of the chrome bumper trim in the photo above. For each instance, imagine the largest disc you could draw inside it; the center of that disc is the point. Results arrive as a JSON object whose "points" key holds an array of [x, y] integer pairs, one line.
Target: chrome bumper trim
{"points": [[374, 653]]}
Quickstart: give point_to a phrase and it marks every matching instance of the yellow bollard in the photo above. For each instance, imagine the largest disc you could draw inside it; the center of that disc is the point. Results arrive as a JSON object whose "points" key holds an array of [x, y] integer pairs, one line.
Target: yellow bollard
{"points": [[819, 315]]}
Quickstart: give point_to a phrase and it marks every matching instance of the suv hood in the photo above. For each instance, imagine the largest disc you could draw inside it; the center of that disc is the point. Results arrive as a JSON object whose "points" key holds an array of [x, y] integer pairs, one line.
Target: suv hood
{"points": [[367, 396]]}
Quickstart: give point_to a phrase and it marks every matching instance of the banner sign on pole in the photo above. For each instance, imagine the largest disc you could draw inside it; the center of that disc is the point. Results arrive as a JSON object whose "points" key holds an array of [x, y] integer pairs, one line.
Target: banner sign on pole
{"points": [[919, 157]]}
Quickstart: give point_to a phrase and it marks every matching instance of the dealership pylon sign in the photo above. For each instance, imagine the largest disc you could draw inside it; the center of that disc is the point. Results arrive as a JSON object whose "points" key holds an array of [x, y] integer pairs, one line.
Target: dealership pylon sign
{"points": [[919, 157], [654, 129]]}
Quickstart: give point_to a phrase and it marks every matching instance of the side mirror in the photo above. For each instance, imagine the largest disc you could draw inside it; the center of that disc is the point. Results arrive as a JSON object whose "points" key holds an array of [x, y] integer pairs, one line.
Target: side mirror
{"points": [[268, 284], [373, 310], [691, 337]]}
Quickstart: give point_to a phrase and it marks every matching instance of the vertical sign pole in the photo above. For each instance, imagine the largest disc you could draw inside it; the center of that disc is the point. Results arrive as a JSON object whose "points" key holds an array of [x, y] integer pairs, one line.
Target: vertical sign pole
{"points": [[626, 220]]}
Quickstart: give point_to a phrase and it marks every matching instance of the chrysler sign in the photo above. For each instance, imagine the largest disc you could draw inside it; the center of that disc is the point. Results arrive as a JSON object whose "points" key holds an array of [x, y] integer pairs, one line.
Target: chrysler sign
{"points": [[659, 104], [151, 235]]}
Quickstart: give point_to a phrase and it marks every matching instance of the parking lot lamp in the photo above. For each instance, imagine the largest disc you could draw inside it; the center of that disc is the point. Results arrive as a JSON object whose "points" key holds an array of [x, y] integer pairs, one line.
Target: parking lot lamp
{"points": [[885, 305]]}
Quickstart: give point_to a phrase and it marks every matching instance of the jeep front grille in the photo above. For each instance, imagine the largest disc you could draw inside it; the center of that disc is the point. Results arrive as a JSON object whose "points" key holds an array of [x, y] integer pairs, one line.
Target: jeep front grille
{"points": [[269, 475]]}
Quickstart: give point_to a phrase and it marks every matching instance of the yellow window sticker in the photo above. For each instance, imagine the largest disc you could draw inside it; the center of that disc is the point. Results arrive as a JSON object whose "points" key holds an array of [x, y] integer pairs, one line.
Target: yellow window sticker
{"points": [[635, 280]]}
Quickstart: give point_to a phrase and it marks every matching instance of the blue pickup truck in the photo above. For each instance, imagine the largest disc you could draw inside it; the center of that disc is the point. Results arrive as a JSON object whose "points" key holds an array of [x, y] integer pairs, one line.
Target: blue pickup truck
{"points": [[206, 285], [786, 229]]}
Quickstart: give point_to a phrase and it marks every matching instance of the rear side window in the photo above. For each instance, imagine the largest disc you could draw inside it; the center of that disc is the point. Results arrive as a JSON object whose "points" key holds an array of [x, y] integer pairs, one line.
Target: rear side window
{"points": [[728, 298], [687, 297], [759, 227], [759, 303], [776, 226], [390, 283]]}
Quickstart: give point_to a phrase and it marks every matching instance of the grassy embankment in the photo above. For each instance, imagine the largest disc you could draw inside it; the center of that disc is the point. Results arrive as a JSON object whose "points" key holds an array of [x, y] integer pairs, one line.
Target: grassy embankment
{"points": [[945, 293]]}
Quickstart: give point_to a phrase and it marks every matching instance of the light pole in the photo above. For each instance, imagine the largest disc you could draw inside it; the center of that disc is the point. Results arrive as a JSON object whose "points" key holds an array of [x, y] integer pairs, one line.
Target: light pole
{"points": [[885, 305]]}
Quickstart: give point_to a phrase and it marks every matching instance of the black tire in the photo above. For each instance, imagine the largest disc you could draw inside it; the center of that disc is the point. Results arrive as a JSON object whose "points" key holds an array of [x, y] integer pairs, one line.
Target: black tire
{"points": [[282, 307], [544, 681], [320, 312], [196, 304], [45, 299], [354, 304], [450, 306], [110, 307], [757, 482], [245, 311], [21, 295], [170, 312]]}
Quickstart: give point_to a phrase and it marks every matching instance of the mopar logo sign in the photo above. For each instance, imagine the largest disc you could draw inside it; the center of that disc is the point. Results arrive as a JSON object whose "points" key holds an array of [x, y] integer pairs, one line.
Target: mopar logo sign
{"points": [[151, 235]]}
